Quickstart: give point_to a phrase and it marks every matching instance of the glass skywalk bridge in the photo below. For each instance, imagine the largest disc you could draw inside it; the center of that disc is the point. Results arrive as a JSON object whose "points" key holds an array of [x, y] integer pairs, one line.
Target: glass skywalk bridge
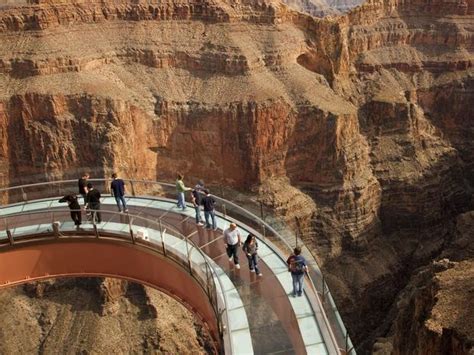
{"points": [[249, 314]]}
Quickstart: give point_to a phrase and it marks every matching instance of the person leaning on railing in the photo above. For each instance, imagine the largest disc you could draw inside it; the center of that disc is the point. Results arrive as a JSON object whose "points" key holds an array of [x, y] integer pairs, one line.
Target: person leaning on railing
{"points": [[181, 189], [71, 200]]}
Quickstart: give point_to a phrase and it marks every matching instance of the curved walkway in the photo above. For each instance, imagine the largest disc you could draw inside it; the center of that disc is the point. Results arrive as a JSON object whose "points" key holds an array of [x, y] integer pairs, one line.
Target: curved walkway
{"points": [[262, 318]]}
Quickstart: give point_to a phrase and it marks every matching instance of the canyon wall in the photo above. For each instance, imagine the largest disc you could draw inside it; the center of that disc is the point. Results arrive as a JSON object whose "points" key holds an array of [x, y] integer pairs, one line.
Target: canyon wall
{"points": [[360, 124]]}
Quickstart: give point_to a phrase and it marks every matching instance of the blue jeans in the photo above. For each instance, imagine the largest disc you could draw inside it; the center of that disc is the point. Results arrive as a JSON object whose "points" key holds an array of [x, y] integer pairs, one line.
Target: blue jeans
{"points": [[181, 203], [298, 282], [119, 199], [253, 263], [198, 213], [211, 214]]}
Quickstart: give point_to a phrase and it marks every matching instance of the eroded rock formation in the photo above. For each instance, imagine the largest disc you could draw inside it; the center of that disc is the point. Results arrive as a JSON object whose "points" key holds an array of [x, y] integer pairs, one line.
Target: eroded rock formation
{"points": [[366, 115], [67, 315]]}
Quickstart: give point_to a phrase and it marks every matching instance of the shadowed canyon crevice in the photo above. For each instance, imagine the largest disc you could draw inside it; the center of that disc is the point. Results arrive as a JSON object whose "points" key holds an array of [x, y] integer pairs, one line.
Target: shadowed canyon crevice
{"points": [[361, 125]]}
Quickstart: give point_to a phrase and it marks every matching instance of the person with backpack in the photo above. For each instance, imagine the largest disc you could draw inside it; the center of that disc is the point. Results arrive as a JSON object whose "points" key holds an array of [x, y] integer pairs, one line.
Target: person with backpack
{"points": [[250, 249], [117, 187], [196, 199], [75, 208], [297, 266]]}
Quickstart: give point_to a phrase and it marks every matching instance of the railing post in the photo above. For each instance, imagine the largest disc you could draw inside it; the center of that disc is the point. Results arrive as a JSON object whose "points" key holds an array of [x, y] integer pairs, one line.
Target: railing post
{"points": [[132, 187], [207, 280], [162, 238], [10, 237], [324, 290], [222, 327], [225, 210], [346, 341], [24, 196], [262, 216], [107, 186], [189, 257], [263, 231], [55, 226], [94, 225], [132, 236]]}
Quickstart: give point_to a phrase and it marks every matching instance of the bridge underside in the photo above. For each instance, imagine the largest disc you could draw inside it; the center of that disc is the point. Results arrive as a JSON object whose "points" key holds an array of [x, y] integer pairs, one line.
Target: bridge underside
{"points": [[104, 258]]}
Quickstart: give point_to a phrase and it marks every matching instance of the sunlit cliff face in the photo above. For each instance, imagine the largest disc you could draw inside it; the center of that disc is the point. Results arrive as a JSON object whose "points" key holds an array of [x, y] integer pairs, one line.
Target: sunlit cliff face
{"points": [[366, 117]]}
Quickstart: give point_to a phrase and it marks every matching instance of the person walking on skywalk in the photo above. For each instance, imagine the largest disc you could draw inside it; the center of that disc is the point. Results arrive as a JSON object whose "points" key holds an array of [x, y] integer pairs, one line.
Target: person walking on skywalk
{"points": [[297, 266], [250, 249], [233, 241]]}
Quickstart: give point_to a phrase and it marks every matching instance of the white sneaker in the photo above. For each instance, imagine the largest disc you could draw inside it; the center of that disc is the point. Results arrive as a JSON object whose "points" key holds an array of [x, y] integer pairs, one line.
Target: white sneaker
{"points": [[200, 224], [252, 270], [237, 266], [231, 258], [260, 275]]}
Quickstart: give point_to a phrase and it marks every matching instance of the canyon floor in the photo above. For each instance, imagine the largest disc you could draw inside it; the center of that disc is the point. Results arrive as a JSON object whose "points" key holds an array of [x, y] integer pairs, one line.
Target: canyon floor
{"points": [[96, 316]]}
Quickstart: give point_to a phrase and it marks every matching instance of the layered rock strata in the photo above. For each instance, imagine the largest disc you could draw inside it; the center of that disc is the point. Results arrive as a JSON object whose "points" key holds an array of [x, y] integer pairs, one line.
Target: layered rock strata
{"points": [[367, 114]]}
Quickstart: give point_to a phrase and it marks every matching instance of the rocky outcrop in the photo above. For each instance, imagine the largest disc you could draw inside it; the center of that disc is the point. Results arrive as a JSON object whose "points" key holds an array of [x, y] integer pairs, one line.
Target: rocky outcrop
{"points": [[65, 314], [433, 313]]}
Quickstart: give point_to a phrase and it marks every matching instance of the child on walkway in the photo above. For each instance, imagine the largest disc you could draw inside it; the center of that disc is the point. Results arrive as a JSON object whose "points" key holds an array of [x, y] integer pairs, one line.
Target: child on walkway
{"points": [[250, 249]]}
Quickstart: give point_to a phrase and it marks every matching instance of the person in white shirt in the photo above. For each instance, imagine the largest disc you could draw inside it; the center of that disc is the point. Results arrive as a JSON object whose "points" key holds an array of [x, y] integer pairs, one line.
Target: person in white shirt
{"points": [[233, 241]]}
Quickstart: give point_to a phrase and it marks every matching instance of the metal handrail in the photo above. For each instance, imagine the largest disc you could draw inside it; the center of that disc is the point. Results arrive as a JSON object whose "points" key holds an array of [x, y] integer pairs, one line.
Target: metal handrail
{"points": [[266, 227], [51, 211]]}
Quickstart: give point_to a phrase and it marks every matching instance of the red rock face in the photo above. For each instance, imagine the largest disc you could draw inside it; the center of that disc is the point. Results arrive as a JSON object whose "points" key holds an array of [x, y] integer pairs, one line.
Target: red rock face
{"points": [[347, 107], [367, 118]]}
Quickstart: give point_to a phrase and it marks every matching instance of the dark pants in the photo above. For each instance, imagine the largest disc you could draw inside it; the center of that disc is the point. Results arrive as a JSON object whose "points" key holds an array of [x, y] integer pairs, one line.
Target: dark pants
{"points": [[253, 263], [232, 251], [212, 215], [76, 217], [96, 214], [197, 209]]}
